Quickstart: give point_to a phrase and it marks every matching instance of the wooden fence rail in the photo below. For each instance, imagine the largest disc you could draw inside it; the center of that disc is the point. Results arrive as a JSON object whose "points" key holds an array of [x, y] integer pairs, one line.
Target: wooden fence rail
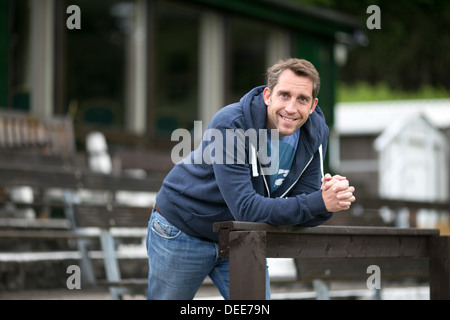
{"points": [[249, 244]]}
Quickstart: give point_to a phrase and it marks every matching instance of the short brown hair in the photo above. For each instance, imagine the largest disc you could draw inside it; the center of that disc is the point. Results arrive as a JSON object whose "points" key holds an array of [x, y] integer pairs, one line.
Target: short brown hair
{"points": [[300, 67]]}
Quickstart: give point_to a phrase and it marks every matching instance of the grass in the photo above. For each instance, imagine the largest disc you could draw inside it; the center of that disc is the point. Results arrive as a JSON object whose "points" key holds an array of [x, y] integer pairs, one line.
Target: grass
{"points": [[382, 91]]}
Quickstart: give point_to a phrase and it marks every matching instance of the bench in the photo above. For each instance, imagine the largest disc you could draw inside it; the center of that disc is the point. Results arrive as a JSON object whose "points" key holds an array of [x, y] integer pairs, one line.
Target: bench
{"points": [[249, 244], [104, 216], [40, 155]]}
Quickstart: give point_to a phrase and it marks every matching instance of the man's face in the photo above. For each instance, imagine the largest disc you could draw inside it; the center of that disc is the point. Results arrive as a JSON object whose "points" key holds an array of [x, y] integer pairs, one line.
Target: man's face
{"points": [[290, 103]]}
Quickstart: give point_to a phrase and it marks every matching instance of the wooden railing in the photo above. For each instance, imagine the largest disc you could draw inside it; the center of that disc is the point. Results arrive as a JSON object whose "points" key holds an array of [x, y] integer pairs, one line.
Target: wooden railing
{"points": [[249, 244]]}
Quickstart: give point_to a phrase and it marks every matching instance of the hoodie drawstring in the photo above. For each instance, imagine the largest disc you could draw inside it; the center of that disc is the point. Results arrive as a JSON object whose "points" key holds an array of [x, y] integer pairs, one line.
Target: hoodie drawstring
{"points": [[254, 160], [321, 161]]}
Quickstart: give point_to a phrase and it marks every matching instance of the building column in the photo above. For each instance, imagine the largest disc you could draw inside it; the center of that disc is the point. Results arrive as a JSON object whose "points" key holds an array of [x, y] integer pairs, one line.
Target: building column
{"points": [[42, 56], [136, 108], [212, 66], [278, 46]]}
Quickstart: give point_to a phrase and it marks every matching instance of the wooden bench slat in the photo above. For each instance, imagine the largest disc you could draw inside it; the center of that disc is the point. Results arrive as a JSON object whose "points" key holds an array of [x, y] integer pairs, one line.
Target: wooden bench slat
{"points": [[29, 157], [35, 223], [44, 234], [111, 216], [71, 178]]}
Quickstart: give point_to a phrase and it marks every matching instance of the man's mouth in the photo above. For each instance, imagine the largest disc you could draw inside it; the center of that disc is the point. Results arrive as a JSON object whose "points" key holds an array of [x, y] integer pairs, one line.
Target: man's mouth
{"points": [[288, 119]]}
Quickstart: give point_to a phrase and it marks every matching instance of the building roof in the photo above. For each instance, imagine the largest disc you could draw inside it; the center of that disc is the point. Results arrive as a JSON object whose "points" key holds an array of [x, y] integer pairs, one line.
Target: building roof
{"points": [[414, 127], [371, 118], [315, 20]]}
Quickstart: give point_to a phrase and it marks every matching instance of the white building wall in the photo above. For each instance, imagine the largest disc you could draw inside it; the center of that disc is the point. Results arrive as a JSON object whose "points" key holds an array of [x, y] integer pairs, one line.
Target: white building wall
{"points": [[413, 163]]}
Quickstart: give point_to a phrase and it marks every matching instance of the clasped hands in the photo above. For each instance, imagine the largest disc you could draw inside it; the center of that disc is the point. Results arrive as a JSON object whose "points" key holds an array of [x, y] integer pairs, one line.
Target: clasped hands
{"points": [[337, 193]]}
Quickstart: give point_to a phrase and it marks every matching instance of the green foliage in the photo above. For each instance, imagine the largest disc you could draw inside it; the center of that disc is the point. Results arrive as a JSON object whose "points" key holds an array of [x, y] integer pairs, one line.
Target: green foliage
{"points": [[363, 91], [410, 51]]}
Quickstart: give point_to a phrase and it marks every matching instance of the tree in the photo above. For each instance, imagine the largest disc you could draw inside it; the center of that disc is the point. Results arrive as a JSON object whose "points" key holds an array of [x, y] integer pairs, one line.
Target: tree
{"points": [[410, 50]]}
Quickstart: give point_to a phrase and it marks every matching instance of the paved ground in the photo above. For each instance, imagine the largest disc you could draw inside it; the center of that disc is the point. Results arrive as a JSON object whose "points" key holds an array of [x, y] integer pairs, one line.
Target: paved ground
{"points": [[338, 291]]}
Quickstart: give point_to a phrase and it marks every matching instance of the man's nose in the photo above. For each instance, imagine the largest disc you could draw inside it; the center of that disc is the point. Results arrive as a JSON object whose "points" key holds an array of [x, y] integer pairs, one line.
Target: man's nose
{"points": [[290, 107]]}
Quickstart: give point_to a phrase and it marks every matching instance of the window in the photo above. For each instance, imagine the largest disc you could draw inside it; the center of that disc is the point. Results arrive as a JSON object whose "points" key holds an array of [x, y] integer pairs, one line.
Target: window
{"points": [[176, 66], [248, 57], [96, 62], [19, 49]]}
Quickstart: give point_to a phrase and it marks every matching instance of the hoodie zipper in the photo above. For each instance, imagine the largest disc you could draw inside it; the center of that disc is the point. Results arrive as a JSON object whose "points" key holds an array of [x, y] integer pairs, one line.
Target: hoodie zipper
{"points": [[289, 189], [293, 184], [301, 173], [264, 179]]}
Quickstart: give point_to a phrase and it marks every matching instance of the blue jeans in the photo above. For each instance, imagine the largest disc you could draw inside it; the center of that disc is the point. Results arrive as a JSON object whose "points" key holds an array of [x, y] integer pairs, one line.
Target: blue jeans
{"points": [[178, 263]]}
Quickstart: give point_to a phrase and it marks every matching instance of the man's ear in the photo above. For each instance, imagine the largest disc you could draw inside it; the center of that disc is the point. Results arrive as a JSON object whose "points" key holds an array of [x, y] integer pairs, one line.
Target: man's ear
{"points": [[266, 95], [314, 105]]}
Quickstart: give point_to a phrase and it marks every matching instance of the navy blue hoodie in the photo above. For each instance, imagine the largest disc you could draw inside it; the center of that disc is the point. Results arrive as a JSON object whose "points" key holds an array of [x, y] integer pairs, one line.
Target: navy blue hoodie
{"points": [[194, 196]]}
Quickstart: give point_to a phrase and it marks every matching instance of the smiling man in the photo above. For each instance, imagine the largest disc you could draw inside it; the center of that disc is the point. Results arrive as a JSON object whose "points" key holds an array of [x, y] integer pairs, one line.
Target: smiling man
{"points": [[182, 247], [290, 97]]}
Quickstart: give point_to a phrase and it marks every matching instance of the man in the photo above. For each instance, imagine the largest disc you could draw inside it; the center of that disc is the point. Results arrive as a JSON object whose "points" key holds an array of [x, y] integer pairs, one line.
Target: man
{"points": [[182, 247]]}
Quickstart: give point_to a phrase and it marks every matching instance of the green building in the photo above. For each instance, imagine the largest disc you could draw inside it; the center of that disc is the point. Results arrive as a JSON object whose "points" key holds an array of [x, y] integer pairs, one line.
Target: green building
{"points": [[138, 69]]}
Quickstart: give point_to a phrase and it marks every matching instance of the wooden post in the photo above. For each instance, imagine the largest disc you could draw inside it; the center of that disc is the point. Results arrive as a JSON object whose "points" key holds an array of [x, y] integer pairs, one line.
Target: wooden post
{"points": [[440, 268], [247, 254]]}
